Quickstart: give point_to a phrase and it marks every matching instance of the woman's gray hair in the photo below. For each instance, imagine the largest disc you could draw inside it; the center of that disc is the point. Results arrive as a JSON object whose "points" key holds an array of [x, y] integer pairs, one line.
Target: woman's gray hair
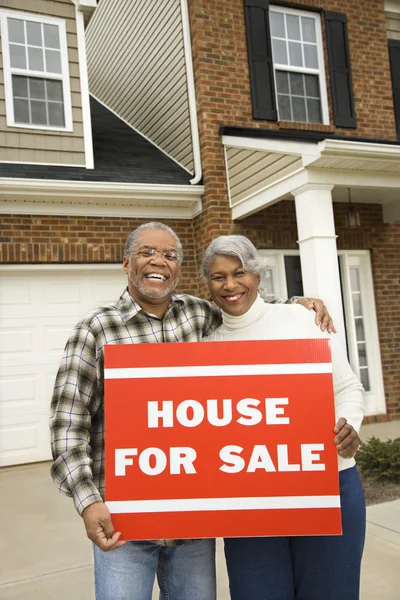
{"points": [[133, 238], [238, 246]]}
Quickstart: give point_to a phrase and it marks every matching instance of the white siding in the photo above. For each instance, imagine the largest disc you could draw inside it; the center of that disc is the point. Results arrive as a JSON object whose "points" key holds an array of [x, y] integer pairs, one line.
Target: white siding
{"points": [[249, 171], [393, 25], [136, 66]]}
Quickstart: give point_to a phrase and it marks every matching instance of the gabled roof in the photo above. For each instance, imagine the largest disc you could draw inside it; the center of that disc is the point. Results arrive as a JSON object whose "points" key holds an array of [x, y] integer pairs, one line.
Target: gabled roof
{"points": [[121, 155]]}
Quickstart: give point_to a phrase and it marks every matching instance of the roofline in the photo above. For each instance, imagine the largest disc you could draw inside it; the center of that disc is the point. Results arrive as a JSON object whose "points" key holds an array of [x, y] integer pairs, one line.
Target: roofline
{"points": [[21, 195], [297, 135]]}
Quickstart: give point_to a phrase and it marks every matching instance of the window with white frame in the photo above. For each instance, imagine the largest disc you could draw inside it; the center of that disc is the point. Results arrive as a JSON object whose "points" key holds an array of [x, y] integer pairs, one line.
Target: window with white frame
{"points": [[299, 71], [36, 74]]}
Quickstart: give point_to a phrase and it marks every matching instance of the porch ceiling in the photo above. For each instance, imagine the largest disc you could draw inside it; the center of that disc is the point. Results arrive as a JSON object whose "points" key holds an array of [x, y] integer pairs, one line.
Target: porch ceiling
{"points": [[263, 171]]}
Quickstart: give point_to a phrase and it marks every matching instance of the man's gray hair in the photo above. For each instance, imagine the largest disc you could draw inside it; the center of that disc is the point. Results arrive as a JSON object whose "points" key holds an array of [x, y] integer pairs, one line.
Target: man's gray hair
{"points": [[238, 246], [133, 238]]}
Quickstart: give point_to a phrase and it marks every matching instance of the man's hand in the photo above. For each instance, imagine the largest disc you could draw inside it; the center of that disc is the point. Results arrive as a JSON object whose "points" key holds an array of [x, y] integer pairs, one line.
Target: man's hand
{"points": [[99, 527], [347, 439], [322, 318]]}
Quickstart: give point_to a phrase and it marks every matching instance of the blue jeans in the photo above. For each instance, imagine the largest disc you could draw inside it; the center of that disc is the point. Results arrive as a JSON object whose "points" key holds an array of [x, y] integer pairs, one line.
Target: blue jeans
{"points": [[185, 572], [303, 568]]}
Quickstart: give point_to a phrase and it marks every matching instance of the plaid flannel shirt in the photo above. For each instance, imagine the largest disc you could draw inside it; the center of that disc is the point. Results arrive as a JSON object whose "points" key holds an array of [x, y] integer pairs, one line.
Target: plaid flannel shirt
{"points": [[77, 408]]}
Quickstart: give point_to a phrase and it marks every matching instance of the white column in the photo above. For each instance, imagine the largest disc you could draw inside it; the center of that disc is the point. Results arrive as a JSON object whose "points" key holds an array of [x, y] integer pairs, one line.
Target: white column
{"points": [[318, 251]]}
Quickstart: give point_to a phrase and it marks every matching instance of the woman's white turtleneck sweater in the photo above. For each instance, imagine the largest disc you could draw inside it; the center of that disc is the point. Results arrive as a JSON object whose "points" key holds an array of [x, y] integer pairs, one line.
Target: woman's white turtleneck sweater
{"points": [[290, 321]]}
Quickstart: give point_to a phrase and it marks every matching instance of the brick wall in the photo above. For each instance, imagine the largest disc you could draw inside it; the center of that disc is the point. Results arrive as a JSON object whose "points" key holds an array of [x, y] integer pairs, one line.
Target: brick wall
{"points": [[223, 87], [49, 239]]}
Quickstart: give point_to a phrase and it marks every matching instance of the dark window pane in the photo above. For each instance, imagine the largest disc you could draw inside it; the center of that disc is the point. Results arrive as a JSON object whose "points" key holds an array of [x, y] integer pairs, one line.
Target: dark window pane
{"points": [[17, 56], [365, 379], [357, 305], [21, 111], [293, 27], [285, 113], [36, 88], [53, 61], [297, 84], [20, 86], [360, 333], [280, 52], [362, 355], [354, 280], [295, 55], [299, 109], [314, 111], [35, 57], [282, 82], [310, 56], [34, 33], [56, 114], [277, 25], [39, 116], [51, 37], [54, 90], [16, 32], [308, 27], [312, 87]]}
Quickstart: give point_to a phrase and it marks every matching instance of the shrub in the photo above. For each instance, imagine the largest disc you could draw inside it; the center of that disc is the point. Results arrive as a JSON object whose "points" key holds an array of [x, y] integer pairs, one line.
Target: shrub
{"points": [[380, 460]]}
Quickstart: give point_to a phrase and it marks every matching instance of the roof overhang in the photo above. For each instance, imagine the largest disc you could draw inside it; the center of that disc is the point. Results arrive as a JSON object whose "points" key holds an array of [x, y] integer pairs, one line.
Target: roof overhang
{"points": [[87, 7], [55, 197], [262, 171]]}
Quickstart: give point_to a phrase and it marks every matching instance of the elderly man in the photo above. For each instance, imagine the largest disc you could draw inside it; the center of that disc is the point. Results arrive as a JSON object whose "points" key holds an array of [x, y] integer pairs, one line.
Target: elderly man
{"points": [[147, 312]]}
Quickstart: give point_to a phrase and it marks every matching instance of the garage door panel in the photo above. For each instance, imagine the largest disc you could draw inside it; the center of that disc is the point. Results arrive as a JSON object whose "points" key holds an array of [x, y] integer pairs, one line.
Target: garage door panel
{"points": [[23, 440], [14, 340], [38, 312], [17, 390]]}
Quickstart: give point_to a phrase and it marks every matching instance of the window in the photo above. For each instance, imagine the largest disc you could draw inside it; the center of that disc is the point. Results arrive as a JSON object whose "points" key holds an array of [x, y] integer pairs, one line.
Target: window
{"points": [[361, 325], [36, 76], [298, 64]]}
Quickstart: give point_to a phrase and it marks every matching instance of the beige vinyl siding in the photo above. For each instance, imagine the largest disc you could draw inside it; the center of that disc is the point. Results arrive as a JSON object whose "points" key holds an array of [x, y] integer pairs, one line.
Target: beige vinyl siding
{"points": [[249, 171], [393, 25], [19, 144], [136, 67]]}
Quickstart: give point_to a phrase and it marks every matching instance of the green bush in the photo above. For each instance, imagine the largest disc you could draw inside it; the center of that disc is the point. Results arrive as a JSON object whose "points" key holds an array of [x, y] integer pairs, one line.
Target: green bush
{"points": [[380, 460]]}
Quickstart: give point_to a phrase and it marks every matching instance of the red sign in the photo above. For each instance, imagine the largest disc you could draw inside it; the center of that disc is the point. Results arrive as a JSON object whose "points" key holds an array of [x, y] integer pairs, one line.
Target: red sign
{"points": [[221, 439]]}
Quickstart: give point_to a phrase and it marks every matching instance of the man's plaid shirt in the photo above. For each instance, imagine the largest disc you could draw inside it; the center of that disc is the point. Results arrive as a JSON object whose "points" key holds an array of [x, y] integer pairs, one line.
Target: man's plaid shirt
{"points": [[77, 408]]}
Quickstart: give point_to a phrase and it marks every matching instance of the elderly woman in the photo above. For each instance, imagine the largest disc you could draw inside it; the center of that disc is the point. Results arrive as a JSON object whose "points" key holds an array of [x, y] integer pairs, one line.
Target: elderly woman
{"points": [[290, 568]]}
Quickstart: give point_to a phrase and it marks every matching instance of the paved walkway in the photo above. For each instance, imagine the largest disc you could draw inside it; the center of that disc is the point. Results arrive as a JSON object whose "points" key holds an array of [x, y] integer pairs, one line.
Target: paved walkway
{"points": [[44, 554]]}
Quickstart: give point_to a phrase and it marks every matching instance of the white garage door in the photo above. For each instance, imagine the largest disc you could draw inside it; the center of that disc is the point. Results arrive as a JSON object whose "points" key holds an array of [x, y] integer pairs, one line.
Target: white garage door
{"points": [[39, 307]]}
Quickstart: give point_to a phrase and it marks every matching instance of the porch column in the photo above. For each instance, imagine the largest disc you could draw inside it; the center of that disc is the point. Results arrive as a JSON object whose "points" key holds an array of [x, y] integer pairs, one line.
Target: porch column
{"points": [[318, 251]]}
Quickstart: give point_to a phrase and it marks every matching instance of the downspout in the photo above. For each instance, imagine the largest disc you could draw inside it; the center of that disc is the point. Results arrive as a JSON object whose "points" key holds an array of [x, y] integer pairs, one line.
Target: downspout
{"points": [[194, 127]]}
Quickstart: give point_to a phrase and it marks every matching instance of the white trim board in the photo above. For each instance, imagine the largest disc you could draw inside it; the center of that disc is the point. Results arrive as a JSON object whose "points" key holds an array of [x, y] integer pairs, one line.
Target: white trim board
{"points": [[56, 197]]}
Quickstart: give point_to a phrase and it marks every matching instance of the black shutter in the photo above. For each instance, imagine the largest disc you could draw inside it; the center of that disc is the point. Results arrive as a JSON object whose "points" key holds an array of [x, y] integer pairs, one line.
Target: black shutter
{"points": [[260, 59], [339, 69], [394, 55]]}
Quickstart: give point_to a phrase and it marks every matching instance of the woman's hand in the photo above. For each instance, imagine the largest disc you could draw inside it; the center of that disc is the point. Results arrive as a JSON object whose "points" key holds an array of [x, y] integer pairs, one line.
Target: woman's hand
{"points": [[347, 439], [322, 318]]}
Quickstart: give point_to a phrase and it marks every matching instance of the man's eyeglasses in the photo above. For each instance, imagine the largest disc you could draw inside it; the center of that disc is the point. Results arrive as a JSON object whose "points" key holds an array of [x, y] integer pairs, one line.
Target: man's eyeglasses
{"points": [[169, 255]]}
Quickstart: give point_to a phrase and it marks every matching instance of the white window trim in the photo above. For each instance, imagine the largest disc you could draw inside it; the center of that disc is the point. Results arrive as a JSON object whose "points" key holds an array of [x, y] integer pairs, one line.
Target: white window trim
{"points": [[306, 70], [8, 71], [374, 399]]}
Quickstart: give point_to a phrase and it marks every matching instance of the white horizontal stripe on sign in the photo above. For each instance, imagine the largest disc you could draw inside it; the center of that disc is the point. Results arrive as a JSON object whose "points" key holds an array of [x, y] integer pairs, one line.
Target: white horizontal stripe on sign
{"points": [[205, 504], [217, 371]]}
